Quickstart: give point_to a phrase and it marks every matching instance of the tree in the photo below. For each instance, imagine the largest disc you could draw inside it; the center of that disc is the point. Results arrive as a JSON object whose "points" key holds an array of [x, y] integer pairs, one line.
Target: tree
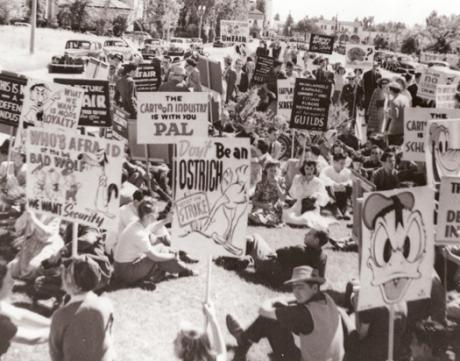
{"points": [[8, 10], [76, 14], [260, 5], [380, 42], [288, 25], [277, 17], [308, 26], [120, 25], [442, 31], [368, 23], [164, 14], [410, 45]]}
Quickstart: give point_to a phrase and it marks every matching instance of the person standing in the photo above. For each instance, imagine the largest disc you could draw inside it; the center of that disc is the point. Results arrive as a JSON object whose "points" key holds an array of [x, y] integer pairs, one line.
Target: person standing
{"points": [[193, 76], [125, 90], [386, 177], [395, 125], [377, 106], [176, 81], [369, 83]]}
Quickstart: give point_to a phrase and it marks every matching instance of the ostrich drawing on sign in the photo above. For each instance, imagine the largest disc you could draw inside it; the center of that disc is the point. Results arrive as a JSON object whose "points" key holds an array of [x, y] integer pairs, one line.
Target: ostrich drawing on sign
{"points": [[228, 211], [104, 191]]}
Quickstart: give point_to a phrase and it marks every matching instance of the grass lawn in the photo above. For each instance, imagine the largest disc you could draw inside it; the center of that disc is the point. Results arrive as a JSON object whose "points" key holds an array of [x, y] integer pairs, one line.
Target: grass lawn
{"points": [[146, 322]]}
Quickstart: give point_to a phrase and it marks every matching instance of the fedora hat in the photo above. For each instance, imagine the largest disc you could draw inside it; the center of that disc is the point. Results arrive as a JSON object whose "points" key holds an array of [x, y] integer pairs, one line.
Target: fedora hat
{"points": [[305, 274]]}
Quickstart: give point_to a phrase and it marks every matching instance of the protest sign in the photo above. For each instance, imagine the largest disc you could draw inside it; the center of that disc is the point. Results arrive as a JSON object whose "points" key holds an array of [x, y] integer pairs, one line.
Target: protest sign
{"points": [[397, 252], [285, 97], [322, 44], [49, 104], [451, 59], [11, 97], [154, 152], [442, 151], [310, 109], [212, 183], [359, 56], [97, 69], [167, 117], [148, 77], [445, 96], [74, 177], [95, 109], [415, 122], [263, 70], [120, 123], [430, 79], [448, 228], [361, 185], [234, 31]]}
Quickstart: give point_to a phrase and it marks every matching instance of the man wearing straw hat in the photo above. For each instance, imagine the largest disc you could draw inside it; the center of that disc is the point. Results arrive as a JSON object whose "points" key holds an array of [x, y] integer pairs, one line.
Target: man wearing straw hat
{"points": [[313, 318]]}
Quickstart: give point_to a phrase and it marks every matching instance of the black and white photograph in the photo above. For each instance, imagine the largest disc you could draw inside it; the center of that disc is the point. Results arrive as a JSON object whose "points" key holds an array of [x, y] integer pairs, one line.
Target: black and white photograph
{"points": [[229, 180]]}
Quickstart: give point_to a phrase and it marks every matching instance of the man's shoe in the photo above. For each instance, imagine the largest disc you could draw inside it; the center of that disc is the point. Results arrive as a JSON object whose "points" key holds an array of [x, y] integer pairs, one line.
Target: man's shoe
{"points": [[188, 273], [235, 329], [184, 257]]}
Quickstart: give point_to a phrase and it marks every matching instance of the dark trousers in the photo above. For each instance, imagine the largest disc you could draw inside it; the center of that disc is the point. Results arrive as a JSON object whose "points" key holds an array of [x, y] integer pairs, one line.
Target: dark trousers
{"points": [[281, 339], [341, 198]]}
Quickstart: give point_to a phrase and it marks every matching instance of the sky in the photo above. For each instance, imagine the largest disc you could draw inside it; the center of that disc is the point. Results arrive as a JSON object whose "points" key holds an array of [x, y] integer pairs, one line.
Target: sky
{"points": [[410, 12]]}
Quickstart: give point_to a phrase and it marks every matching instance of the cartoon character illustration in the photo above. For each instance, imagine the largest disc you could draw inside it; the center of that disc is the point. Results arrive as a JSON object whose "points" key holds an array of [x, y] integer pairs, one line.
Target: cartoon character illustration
{"points": [[398, 243], [53, 188], [71, 186], [104, 191], [231, 206], [445, 159], [41, 99]]}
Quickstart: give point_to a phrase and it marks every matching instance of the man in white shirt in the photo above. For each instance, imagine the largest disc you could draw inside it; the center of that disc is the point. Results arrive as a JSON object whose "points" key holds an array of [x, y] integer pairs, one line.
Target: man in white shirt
{"points": [[338, 180], [275, 147], [315, 155]]}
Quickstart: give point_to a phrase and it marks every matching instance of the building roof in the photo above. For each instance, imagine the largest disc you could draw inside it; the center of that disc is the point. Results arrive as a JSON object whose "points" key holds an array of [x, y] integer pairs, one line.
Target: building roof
{"points": [[343, 23], [111, 4]]}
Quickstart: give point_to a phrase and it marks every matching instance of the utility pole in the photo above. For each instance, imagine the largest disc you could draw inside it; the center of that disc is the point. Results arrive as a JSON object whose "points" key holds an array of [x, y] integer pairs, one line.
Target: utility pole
{"points": [[201, 11], [33, 25]]}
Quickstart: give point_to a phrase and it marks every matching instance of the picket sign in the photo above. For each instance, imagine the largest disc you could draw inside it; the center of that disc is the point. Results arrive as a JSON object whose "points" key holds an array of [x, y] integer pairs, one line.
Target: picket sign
{"points": [[207, 297], [75, 240], [391, 334]]}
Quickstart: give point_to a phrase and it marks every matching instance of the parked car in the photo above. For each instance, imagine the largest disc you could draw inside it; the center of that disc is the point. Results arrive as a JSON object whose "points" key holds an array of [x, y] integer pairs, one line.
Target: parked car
{"points": [[84, 49], [21, 24], [121, 46], [151, 46], [406, 66], [178, 46], [197, 42], [66, 64]]}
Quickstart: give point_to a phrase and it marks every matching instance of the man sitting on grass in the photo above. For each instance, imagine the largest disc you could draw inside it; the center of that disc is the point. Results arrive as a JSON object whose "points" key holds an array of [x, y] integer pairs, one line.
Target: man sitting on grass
{"points": [[275, 266], [313, 317], [429, 342]]}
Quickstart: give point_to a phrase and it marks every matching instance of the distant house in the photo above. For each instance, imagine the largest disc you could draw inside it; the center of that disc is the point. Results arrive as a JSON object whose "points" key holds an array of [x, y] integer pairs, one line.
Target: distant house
{"points": [[101, 8], [330, 27]]}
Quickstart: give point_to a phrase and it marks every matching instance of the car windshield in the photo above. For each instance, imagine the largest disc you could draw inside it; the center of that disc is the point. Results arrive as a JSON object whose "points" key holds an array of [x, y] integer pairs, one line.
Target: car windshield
{"points": [[75, 44], [117, 43]]}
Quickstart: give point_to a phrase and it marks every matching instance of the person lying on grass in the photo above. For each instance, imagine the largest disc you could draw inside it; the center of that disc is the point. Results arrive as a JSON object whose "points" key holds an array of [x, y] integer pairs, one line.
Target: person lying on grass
{"points": [[82, 329], [137, 260], [193, 345], [275, 266], [17, 324], [313, 317]]}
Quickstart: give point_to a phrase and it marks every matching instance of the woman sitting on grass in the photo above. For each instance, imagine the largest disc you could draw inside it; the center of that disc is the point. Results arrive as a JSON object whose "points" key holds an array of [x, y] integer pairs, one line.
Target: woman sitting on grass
{"points": [[269, 195], [192, 345], [17, 324]]}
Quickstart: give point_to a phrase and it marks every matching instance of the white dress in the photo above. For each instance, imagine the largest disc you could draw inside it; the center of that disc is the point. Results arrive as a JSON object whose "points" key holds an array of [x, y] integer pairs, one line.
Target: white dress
{"points": [[301, 189]]}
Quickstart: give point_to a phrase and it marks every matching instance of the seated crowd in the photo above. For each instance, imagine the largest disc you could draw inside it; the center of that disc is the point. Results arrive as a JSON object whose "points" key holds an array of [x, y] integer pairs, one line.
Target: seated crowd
{"points": [[310, 185]]}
